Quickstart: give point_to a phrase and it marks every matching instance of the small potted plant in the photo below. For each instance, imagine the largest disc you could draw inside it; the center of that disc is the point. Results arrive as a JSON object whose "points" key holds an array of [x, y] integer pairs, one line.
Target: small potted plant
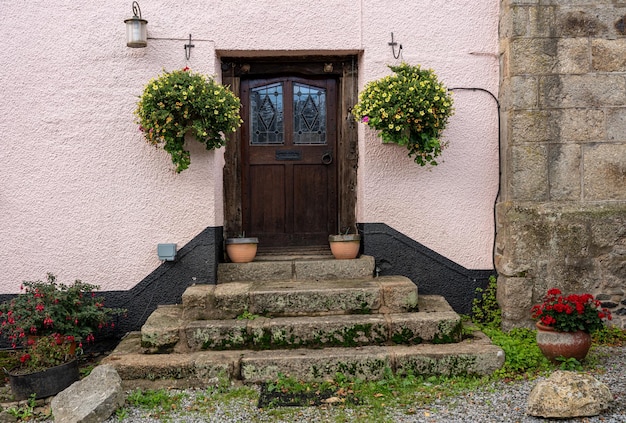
{"points": [[45, 324], [46, 366], [565, 323], [241, 249], [345, 246], [180, 102], [47, 308], [410, 108]]}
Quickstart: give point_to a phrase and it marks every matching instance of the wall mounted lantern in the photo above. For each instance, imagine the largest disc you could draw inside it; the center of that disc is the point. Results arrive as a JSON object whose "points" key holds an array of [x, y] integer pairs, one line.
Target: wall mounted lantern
{"points": [[136, 29]]}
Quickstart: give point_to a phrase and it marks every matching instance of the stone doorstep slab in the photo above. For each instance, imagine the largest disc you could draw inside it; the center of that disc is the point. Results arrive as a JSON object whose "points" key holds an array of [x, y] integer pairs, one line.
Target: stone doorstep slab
{"points": [[337, 297], [389, 294], [472, 356], [164, 327], [323, 331], [298, 269], [369, 363]]}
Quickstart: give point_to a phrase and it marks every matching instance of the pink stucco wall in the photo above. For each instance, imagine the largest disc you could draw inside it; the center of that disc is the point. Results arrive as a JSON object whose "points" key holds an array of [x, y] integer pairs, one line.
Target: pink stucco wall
{"points": [[82, 195]]}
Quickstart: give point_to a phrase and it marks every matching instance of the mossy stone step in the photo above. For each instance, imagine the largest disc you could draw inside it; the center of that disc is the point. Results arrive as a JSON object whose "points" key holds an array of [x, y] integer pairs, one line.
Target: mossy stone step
{"points": [[165, 329], [138, 369], [324, 331], [389, 294]]}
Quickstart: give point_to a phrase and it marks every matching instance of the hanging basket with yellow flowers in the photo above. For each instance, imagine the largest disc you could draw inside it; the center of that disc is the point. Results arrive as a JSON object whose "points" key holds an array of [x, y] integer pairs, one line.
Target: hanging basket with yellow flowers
{"points": [[182, 101], [410, 108]]}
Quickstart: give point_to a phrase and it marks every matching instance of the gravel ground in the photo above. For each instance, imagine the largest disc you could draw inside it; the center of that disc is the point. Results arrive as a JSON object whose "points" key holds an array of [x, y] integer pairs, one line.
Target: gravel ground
{"points": [[497, 402]]}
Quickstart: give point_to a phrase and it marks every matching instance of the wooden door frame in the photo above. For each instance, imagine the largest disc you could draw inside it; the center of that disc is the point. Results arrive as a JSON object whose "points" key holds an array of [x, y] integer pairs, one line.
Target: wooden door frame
{"points": [[344, 68]]}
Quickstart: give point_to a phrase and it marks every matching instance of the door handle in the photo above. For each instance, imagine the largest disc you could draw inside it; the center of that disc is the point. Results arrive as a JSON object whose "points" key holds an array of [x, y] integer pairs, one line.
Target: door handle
{"points": [[327, 158]]}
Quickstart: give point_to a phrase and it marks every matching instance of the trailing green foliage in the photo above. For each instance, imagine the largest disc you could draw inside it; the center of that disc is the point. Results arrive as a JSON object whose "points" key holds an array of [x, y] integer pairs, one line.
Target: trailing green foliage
{"points": [[485, 309], [523, 356], [410, 108], [182, 101]]}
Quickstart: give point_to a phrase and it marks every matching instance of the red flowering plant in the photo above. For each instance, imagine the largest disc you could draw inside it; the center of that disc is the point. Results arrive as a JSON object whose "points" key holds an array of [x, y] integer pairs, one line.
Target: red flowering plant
{"points": [[48, 308], [570, 313], [43, 353]]}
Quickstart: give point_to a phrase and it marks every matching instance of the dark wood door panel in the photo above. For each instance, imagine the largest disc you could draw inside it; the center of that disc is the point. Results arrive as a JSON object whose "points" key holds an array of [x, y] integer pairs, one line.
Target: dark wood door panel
{"points": [[266, 210], [237, 72], [313, 199], [289, 175]]}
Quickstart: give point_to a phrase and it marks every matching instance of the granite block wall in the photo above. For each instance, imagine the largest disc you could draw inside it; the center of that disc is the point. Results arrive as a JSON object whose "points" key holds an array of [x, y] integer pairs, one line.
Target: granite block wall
{"points": [[561, 216]]}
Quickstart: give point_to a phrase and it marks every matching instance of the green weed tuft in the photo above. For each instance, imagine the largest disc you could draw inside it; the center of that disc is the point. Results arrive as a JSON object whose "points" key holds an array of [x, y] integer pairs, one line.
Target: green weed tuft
{"points": [[570, 364], [160, 402], [610, 336], [485, 309]]}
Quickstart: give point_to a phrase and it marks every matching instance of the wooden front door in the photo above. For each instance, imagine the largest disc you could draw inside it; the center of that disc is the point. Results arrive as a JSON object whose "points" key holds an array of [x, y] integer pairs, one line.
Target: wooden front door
{"points": [[289, 168]]}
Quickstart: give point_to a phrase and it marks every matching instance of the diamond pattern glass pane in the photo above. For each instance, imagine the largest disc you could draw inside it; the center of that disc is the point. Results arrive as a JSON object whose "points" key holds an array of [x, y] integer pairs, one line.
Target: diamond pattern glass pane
{"points": [[266, 115], [309, 114]]}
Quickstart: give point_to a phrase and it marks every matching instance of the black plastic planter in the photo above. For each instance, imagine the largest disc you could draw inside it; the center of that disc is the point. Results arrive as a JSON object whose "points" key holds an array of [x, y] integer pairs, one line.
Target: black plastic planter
{"points": [[44, 383]]}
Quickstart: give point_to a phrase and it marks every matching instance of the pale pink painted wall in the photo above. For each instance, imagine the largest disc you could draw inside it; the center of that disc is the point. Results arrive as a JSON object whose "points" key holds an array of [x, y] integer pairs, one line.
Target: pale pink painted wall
{"points": [[83, 196], [448, 208]]}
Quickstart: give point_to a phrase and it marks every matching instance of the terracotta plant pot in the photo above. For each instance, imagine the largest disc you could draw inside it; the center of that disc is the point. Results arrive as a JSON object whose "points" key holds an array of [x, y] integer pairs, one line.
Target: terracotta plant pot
{"points": [[553, 343], [241, 250], [345, 247]]}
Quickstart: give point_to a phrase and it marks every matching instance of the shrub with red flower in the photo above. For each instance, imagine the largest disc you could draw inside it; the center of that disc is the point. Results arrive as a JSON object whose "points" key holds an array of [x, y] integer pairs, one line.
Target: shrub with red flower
{"points": [[47, 308], [569, 313], [44, 352]]}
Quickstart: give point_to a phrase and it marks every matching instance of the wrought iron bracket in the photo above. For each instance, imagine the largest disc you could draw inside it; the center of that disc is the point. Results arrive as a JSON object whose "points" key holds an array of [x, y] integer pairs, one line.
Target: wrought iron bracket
{"points": [[188, 48]]}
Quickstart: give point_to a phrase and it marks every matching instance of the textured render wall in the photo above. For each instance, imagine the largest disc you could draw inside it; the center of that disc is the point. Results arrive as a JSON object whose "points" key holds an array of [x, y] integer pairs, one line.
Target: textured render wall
{"points": [[562, 219], [448, 208], [84, 196]]}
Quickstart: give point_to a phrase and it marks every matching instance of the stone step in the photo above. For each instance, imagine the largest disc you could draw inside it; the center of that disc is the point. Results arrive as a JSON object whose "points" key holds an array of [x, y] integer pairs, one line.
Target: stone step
{"points": [[301, 269], [323, 331], [389, 294], [166, 329], [137, 369]]}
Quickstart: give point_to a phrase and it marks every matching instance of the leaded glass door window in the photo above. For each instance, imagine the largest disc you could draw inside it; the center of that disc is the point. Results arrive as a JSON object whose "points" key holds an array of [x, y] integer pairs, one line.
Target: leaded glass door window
{"points": [[289, 177], [266, 115], [309, 114]]}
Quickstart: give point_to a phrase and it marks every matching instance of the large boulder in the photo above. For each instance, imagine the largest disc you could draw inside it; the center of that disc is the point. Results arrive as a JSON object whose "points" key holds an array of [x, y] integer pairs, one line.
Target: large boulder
{"points": [[90, 400], [568, 394]]}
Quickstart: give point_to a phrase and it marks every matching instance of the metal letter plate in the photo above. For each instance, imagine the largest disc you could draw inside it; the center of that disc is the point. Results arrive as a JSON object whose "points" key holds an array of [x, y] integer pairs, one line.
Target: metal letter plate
{"points": [[289, 155]]}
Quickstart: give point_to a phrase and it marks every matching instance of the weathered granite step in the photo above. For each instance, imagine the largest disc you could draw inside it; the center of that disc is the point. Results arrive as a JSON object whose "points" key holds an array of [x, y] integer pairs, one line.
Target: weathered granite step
{"points": [[166, 329], [388, 294], [297, 269], [137, 369], [323, 331]]}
